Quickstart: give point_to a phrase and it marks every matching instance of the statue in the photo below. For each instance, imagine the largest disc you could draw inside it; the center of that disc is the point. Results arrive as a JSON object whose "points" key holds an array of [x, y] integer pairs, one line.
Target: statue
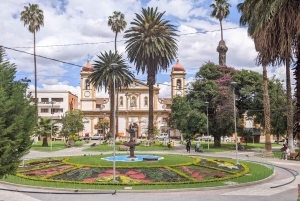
{"points": [[222, 49], [132, 143]]}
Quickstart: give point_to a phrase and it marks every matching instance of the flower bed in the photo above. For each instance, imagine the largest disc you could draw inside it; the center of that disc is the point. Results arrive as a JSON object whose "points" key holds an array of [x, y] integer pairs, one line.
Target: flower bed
{"points": [[199, 171]]}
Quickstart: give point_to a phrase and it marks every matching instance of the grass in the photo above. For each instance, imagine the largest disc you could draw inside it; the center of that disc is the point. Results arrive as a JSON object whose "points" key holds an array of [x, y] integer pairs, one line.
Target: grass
{"points": [[96, 160], [230, 146], [56, 146], [257, 172]]}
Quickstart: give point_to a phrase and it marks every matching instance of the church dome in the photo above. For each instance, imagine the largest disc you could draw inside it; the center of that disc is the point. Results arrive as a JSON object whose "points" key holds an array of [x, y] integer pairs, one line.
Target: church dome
{"points": [[88, 67], [178, 67]]}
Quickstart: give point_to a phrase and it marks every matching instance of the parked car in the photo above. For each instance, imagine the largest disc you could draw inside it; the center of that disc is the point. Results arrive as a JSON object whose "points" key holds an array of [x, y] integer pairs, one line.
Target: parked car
{"points": [[205, 138], [162, 136], [97, 137], [226, 139], [144, 135]]}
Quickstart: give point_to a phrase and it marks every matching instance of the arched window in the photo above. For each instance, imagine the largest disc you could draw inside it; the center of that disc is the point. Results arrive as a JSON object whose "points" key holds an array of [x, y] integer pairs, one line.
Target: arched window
{"points": [[87, 84], [178, 84], [121, 102], [146, 101], [133, 101]]}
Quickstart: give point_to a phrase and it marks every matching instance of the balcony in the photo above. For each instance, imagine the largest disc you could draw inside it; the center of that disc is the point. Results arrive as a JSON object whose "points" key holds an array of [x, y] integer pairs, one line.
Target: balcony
{"points": [[49, 104]]}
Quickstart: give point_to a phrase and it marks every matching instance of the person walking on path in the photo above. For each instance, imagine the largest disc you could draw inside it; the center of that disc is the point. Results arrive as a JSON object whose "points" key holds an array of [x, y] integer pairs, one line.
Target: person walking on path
{"points": [[188, 145]]}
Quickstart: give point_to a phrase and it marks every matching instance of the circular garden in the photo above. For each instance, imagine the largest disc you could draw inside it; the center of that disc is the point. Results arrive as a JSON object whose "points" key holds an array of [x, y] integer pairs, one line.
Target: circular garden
{"points": [[174, 171]]}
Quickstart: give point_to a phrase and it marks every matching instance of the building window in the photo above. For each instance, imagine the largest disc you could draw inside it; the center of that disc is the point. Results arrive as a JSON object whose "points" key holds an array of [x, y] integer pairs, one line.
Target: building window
{"points": [[178, 84], [121, 101], [146, 101], [44, 110], [165, 120], [87, 84], [133, 101], [57, 99], [44, 99], [57, 110]]}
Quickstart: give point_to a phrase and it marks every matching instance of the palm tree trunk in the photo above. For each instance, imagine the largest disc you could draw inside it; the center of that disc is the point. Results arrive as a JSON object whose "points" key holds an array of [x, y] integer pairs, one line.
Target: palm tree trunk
{"points": [[267, 130], [289, 107], [112, 105], [151, 82], [221, 29], [116, 42], [35, 75], [297, 94], [45, 142]]}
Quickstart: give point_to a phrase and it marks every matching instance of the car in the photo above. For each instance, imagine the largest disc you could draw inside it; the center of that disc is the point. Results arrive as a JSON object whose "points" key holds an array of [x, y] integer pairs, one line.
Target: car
{"points": [[97, 137], [162, 136], [144, 135], [226, 139], [205, 138]]}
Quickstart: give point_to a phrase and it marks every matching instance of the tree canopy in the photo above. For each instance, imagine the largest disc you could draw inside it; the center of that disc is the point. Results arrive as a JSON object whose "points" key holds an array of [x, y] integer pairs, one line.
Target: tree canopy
{"points": [[17, 118]]}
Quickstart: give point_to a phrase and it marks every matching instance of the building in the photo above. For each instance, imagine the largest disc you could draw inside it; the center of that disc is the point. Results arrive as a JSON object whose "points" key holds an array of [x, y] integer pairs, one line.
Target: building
{"points": [[133, 103], [54, 103]]}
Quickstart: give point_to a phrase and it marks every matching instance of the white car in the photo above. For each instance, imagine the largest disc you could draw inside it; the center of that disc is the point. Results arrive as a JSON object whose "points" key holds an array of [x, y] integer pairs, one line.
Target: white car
{"points": [[226, 139], [97, 137], [162, 136]]}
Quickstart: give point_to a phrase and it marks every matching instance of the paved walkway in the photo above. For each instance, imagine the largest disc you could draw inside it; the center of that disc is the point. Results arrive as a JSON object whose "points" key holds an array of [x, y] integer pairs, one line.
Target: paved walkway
{"points": [[257, 192]]}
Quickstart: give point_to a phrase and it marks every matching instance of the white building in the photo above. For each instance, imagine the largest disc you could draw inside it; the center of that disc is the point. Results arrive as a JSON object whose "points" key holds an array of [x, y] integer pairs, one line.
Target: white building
{"points": [[132, 105], [54, 103]]}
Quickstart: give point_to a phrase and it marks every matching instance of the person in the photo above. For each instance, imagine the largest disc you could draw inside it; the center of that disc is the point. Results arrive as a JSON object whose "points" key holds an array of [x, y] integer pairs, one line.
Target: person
{"points": [[286, 153], [240, 147], [188, 146], [283, 148], [197, 146]]}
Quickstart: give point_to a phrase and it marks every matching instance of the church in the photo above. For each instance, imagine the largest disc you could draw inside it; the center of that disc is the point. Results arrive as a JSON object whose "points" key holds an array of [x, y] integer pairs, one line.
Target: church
{"points": [[133, 105]]}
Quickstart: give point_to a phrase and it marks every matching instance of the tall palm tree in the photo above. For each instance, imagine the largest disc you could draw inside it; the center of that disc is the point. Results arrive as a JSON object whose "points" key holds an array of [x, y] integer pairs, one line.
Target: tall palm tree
{"points": [[104, 75], [151, 46], [272, 24], [117, 24], [33, 17], [221, 11]]}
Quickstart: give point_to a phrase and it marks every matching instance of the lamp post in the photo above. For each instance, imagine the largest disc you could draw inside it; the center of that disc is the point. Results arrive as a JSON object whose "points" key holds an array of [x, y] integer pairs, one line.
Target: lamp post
{"points": [[234, 113], [26, 81], [51, 124], [114, 128], [207, 124]]}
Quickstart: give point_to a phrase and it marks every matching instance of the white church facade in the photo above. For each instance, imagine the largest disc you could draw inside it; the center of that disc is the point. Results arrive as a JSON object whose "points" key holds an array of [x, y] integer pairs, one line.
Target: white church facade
{"points": [[133, 104]]}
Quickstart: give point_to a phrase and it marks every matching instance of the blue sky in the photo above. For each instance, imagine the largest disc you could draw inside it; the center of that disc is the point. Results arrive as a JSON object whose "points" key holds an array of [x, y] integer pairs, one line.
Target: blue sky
{"points": [[77, 21]]}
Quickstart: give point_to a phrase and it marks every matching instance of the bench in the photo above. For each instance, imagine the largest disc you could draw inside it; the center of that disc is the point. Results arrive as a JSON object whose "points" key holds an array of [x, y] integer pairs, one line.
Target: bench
{"points": [[294, 156], [123, 148], [150, 159], [93, 144], [67, 145]]}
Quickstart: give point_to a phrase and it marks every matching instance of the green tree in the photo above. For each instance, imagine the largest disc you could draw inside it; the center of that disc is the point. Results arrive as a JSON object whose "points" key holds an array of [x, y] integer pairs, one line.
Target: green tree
{"points": [[17, 118], [43, 129], [33, 17], [275, 41], [117, 24], [220, 11], [105, 75], [151, 46], [72, 123]]}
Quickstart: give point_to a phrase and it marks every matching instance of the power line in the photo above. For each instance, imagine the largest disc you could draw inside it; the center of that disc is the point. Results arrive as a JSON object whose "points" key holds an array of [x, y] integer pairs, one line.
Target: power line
{"points": [[105, 42]]}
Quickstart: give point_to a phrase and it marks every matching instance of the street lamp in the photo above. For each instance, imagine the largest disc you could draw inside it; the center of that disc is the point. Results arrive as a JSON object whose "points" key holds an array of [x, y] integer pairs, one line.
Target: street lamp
{"points": [[26, 81], [234, 113], [206, 103], [51, 124], [114, 129]]}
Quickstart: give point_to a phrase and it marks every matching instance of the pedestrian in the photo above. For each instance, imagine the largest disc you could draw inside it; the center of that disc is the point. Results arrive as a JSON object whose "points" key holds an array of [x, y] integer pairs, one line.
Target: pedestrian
{"points": [[188, 145], [285, 154]]}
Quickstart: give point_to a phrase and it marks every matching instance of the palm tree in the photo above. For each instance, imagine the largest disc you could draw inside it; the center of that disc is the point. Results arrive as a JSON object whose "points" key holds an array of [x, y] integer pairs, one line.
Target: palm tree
{"points": [[271, 25], [44, 129], [221, 11], [152, 46], [104, 75], [34, 18], [117, 24]]}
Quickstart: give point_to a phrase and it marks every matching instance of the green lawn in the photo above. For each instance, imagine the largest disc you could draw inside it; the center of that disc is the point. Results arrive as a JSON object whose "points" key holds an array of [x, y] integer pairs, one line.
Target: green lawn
{"points": [[96, 160], [56, 146]]}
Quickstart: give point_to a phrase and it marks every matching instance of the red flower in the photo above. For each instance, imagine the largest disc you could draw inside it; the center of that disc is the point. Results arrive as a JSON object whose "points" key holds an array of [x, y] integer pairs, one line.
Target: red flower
{"points": [[137, 176], [89, 180], [111, 171], [195, 174], [130, 172]]}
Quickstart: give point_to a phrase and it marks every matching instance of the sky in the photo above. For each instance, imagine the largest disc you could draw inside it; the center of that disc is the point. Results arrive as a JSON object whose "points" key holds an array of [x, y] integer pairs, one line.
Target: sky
{"points": [[68, 22]]}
